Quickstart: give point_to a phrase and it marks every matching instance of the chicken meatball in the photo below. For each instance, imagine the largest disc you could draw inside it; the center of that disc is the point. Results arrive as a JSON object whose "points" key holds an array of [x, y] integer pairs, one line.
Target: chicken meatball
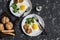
{"points": [[18, 1], [9, 25], [21, 1], [26, 26], [1, 27], [29, 31], [5, 20]]}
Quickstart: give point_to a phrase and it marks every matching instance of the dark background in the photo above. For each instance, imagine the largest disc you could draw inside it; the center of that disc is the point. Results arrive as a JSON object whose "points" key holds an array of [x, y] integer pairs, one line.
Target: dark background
{"points": [[50, 13]]}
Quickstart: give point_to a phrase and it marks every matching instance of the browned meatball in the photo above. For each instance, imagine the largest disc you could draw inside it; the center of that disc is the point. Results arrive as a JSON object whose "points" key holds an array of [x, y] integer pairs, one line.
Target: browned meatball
{"points": [[21, 1], [1, 27], [15, 1], [26, 26], [5, 20], [9, 25], [29, 31], [18, 1]]}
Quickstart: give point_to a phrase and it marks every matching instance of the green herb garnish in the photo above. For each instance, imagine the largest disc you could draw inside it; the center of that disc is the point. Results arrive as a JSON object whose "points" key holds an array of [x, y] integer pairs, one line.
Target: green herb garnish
{"points": [[30, 20], [14, 6]]}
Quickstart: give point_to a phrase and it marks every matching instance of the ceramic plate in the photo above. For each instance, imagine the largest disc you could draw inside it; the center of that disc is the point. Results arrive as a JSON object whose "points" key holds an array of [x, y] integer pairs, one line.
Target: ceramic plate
{"points": [[33, 33]]}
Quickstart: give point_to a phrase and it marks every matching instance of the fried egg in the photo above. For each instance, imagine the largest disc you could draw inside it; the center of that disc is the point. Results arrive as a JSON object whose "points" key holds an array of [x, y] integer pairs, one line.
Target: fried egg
{"points": [[22, 6], [35, 26]]}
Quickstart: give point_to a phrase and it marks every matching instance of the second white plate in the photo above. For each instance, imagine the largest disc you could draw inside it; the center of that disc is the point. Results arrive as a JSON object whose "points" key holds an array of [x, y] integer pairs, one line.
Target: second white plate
{"points": [[40, 20]]}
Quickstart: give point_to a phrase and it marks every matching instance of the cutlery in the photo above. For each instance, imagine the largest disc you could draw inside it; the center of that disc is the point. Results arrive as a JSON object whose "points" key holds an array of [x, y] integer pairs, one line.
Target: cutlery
{"points": [[25, 11], [40, 26]]}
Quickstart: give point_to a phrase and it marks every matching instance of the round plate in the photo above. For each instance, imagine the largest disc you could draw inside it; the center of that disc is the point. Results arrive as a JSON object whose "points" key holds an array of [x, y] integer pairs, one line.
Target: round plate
{"points": [[40, 20], [17, 14]]}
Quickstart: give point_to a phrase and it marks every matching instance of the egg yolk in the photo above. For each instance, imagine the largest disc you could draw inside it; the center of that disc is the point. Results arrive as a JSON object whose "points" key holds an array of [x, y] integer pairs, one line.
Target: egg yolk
{"points": [[35, 26], [22, 7]]}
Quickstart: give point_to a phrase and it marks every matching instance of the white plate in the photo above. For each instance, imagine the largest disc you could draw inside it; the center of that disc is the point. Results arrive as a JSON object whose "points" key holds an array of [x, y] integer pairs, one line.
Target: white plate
{"points": [[17, 14], [34, 33]]}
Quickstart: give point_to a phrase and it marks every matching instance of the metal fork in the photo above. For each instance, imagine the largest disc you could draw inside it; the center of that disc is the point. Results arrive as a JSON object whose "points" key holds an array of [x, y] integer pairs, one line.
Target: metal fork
{"points": [[25, 11], [40, 26]]}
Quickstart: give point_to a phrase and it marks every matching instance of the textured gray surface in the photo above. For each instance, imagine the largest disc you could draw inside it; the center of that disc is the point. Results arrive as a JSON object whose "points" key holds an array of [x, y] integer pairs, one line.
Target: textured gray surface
{"points": [[50, 13]]}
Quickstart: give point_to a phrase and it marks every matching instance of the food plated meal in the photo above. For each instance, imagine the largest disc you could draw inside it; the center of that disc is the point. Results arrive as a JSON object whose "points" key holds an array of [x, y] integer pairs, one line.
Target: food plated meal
{"points": [[6, 26], [30, 26], [18, 7]]}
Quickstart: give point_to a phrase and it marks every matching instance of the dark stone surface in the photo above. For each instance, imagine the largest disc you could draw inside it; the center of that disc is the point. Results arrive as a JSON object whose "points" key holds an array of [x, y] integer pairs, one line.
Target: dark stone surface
{"points": [[50, 13]]}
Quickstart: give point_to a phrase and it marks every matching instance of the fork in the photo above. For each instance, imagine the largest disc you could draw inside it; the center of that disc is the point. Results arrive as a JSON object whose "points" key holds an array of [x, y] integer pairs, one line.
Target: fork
{"points": [[25, 11], [40, 26]]}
